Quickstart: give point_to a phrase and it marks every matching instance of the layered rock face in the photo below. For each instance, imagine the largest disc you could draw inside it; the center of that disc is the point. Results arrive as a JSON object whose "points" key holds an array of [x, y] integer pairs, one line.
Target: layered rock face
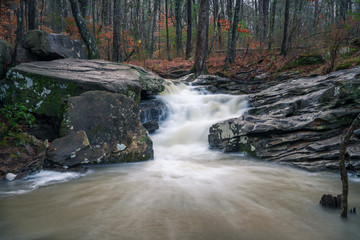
{"points": [[299, 122], [43, 86]]}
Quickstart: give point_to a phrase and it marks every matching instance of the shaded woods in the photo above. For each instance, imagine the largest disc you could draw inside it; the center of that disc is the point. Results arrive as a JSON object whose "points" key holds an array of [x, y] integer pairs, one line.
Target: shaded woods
{"points": [[143, 32]]}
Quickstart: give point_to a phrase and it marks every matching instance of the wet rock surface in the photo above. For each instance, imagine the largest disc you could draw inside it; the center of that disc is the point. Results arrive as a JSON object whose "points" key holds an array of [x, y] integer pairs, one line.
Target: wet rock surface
{"points": [[101, 127], [43, 86], [298, 122], [151, 112]]}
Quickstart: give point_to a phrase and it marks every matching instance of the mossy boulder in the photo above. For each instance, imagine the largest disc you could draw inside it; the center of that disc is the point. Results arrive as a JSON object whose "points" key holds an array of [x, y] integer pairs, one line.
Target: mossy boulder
{"points": [[6, 51], [112, 125], [43, 86], [304, 60]]}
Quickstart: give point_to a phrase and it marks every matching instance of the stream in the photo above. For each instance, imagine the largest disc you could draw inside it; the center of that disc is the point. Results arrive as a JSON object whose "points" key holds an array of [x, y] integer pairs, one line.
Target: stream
{"points": [[187, 192]]}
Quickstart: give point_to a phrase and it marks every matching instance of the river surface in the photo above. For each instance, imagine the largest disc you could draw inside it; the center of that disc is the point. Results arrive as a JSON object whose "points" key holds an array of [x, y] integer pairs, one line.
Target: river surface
{"points": [[186, 192]]}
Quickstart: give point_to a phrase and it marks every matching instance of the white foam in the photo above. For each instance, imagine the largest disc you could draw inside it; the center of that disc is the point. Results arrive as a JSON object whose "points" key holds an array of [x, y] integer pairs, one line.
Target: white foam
{"points": [[34, 181]]}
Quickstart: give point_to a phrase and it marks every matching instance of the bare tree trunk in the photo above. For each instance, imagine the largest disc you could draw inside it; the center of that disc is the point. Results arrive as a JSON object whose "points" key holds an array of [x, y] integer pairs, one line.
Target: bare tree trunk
{"points": [[42, 13], [167, 30], [265, 21], [19, 30], [272, 24], [229, 12], [189, 29], [202, 38], [153, 28], [93, 52], [33, 22], [343, 171], [285, 42], [230, 57], [178, 27], [116, 54], [93, 10]]}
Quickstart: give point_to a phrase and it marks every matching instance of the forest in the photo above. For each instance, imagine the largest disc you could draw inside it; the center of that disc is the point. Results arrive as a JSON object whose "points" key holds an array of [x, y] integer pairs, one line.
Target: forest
{"points": [[163, 35]]}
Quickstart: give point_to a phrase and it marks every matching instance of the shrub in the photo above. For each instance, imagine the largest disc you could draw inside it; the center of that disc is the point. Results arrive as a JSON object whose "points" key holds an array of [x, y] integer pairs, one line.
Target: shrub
{"points": [[13, 120]]}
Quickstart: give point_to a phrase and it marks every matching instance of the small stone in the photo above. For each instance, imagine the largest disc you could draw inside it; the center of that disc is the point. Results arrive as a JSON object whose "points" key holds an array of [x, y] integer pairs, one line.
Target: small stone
{"points": [[10, 176], [121, 147]]}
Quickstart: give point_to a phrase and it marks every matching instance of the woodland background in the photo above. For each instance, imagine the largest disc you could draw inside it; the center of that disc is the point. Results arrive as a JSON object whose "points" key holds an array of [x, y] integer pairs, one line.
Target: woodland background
{"points": [[162, 34]]}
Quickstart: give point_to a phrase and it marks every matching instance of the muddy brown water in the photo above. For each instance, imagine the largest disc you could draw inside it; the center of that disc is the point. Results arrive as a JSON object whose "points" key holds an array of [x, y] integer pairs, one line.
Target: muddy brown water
{"points": [[186, 192]]}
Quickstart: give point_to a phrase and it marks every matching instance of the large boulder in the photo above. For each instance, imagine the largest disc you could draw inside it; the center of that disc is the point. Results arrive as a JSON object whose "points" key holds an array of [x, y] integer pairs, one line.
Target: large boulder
{"points": [[50, 46], [6, 51], [43, 86], [101, 127], [298, 122]]}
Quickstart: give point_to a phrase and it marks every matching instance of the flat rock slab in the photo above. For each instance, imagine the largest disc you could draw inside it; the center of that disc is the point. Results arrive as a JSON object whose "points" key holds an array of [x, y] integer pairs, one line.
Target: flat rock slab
{"points": [[43, 86]]}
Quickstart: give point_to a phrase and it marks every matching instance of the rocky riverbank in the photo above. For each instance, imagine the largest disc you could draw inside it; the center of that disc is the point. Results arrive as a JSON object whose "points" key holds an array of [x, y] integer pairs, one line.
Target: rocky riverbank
{"points": [[298, 122]]}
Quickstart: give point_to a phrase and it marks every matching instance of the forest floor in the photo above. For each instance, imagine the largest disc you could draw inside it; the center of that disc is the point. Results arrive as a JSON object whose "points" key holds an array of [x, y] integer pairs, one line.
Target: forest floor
{"points": [[255, 62]]}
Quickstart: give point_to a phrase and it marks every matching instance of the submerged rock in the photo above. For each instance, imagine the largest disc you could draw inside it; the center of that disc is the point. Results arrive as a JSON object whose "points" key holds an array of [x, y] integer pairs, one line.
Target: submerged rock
{"points": [[101, 127], [43, 86], [298, 122], [329, 201]]}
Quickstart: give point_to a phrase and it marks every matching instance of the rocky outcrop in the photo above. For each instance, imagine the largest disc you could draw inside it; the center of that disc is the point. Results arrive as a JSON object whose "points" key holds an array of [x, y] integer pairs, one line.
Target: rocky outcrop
{"points": [[298, 122], [42, 46], [23, 158], [6, 51], [43, 86], [100, 127], [243, 82]]}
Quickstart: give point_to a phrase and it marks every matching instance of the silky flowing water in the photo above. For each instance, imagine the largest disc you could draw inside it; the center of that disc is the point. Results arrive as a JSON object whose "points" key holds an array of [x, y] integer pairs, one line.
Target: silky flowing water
{"points": [[186, 192]]}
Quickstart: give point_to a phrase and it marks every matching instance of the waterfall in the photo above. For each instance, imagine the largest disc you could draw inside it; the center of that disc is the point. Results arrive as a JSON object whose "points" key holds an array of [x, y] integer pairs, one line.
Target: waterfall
{"points": [[191, 112]]}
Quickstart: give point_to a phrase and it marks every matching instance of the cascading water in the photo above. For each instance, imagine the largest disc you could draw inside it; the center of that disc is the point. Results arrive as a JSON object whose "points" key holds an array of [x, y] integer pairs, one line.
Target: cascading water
{"points": [[186, 192]]}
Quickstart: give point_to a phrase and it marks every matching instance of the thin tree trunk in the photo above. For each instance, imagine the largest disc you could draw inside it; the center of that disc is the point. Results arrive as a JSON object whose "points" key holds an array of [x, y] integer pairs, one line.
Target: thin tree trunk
{"points": [[285, 42], [93, 52], [230, 16], [167, 30], [153, 28], [201, 38], [42, 13], [272, 24], [19, 30], [265, 15], [93, 10], [33, 22], [178, 41], [189, 29], [343, 171], [116, 54], [230, 57]]}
